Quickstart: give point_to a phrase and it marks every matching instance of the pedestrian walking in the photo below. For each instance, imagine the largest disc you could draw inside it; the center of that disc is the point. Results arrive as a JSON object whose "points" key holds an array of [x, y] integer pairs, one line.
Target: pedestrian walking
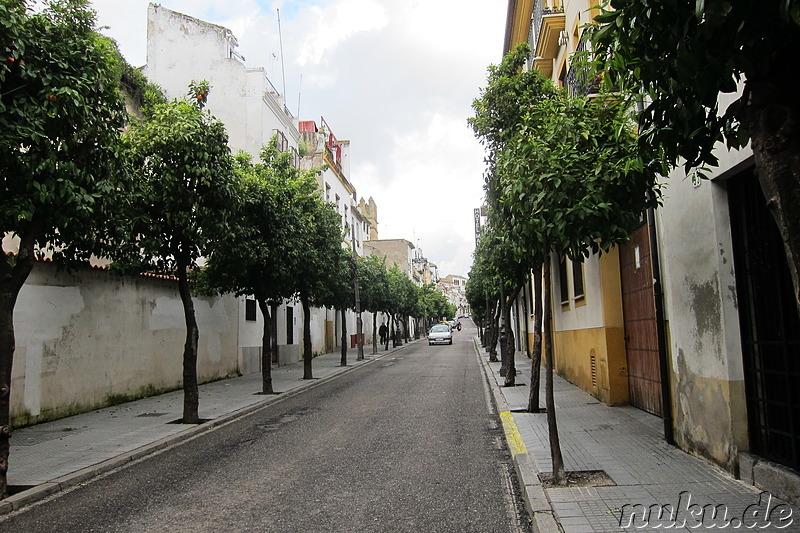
{"points": [[382, 332]]}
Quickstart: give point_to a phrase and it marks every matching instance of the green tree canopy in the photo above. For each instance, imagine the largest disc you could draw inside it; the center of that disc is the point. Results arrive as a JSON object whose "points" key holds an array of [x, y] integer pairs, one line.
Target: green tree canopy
{"points": [[373, 289], [574, 179], [61, 111], [432, 304], [680, 57], [373, 283]]}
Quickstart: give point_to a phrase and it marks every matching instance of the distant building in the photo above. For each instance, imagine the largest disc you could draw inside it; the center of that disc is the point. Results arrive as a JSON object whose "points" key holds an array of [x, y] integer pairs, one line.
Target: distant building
{"points": [[398, 252], [369, 210], [454, 289], [324, 150]]}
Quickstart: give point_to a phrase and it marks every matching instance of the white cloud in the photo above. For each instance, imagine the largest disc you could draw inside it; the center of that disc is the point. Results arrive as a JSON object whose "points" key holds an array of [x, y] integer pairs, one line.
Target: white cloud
{"points": [[337, 23], [396, 78]]}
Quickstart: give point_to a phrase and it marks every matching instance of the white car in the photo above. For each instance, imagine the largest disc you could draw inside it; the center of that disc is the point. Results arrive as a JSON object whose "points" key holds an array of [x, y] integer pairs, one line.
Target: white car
{"points": [[440, 334]]}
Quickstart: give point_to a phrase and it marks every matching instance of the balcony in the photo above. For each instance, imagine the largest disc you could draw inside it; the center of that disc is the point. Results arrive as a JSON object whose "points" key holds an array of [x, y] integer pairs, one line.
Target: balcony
{"points": [[578, 81], [548, 23]]}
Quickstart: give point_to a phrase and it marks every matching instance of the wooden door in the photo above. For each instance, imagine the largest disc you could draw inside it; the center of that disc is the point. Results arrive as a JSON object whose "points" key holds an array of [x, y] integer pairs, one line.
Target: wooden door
{"points": [[639, 312]]}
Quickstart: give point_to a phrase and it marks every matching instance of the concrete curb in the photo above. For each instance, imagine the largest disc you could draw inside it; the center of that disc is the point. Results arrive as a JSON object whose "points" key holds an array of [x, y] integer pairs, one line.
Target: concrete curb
{"points": [[45, 490], [540, 510]]}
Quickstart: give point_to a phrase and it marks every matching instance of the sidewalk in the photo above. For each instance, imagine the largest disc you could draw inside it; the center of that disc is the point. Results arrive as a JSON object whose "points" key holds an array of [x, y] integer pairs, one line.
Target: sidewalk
{"points": [[54, 456], [628, 444]]}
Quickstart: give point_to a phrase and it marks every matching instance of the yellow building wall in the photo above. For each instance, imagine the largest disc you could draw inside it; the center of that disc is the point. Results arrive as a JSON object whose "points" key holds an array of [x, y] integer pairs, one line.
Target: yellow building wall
{"points": [[594, 359]]}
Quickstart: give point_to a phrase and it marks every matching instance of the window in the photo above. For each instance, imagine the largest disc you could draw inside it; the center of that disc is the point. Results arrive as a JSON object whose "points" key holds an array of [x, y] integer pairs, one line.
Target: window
{"points": [[289, 325], [577, 279], [562, 278], [283, 142], [327, 192], [250, 310]]}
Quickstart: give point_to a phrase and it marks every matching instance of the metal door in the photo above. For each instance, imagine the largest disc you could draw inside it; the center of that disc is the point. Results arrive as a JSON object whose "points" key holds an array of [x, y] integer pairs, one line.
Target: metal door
{"points": [[770, 326], [639, 313]]}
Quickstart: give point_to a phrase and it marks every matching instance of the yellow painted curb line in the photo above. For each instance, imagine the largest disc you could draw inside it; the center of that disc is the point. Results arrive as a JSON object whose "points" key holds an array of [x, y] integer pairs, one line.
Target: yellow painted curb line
{"points": [[515, 443]]}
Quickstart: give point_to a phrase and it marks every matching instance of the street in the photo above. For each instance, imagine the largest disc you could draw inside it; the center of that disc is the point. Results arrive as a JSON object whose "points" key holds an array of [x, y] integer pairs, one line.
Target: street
{"points": [[408, 443]]}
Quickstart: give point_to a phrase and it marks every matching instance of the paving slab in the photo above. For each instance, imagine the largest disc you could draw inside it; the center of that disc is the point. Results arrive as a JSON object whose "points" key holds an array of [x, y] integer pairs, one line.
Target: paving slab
{"points": [[628, 445]]}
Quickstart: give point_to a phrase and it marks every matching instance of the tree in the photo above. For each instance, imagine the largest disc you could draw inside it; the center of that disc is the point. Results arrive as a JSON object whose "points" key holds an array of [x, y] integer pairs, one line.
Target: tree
{"points": [[679, 57], [373, 289], [495, 250], [180, 201], [250, 260], [61, 111], [483, 289], [570, 179], [402, 300], [313, 263], [475, 292], [340, 294], [432, 305], [575, 183], [499, 112]]}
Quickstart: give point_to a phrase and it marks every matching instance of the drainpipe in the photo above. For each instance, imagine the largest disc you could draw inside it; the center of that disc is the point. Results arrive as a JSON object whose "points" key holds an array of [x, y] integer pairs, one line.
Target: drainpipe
{"points": [[663, 358]]}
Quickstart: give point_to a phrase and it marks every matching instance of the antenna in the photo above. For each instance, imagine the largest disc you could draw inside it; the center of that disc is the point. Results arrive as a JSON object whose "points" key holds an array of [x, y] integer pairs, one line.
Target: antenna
{"points": [[299, 92], [283, 72]]}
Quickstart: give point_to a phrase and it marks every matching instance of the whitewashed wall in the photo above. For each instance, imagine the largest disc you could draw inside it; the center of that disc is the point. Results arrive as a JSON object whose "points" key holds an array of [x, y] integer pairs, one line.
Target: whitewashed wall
{"points": [[92, 336], [182, 48]]}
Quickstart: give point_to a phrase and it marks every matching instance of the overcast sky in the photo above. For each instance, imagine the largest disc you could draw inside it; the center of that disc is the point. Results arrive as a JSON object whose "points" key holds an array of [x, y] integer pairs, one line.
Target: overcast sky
{"points": [[395, 77]]}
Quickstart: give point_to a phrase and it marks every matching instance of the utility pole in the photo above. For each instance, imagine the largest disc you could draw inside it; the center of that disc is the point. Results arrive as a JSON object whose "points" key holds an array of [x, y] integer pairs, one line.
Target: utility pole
{"points": [[359, 325]]}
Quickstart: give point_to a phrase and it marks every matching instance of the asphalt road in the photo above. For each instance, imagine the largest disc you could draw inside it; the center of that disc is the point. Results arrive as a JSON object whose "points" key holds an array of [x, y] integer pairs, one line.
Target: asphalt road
{"points": [[407, 443]]}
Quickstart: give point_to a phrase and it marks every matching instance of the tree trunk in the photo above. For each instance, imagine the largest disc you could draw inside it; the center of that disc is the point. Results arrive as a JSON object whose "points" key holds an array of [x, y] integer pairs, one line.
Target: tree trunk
{"points": [[359, 337], [343, 360], [388, 330], [526, 316], [511, 366], [274, 344], [374, 333], [773, 114], [266, 348], [307, 355], [487, 331], [536, 357], [559, 475], [494, 335], [191, 395], [13, 275]]}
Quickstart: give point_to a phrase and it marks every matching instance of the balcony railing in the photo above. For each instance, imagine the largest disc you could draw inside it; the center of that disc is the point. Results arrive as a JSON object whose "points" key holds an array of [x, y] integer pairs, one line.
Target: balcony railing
{"points": [[578, 80]]}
